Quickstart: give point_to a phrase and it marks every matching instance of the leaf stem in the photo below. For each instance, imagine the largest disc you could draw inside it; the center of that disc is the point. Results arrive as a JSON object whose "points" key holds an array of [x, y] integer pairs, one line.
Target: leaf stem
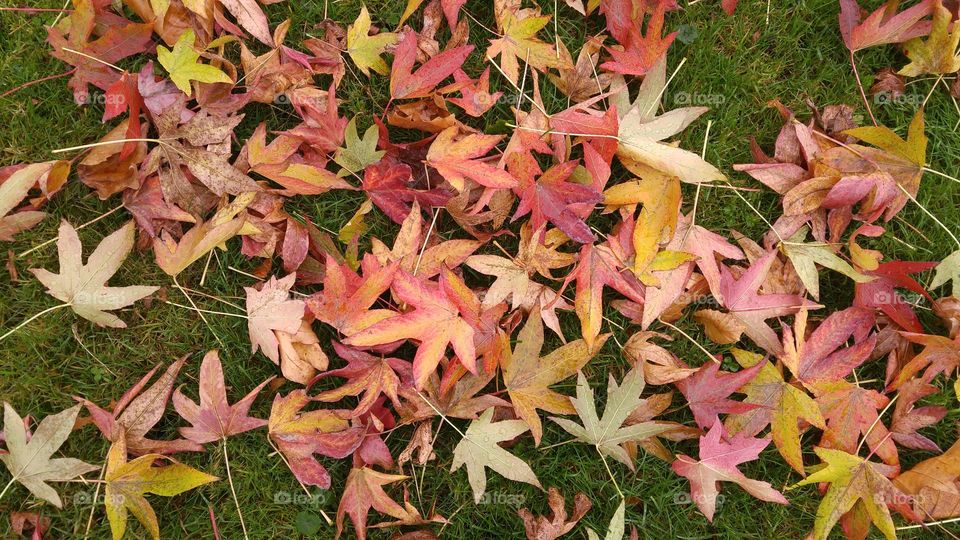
{"points": [[236, 502], [52, 240], [93, 505], [610, 474], [6, 487], [863, 94], [31, 319], [199, 311]]}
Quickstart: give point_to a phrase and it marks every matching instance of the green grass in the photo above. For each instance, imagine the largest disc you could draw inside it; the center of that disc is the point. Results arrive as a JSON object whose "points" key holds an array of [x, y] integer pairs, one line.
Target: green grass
{"points": [[797, 57]]}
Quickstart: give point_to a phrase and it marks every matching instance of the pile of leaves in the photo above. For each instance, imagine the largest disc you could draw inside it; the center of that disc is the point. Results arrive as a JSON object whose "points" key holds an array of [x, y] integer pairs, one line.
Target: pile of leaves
{"points": [[442, 323]]}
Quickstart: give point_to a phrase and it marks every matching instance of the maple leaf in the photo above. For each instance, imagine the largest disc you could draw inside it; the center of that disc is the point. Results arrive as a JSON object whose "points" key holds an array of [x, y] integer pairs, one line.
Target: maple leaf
{"points": [[476, 96], [407, 85], [907, 418], [879, 293], [607, 433], [641, 132], [940, 355], [581, 82], [391, 186], [12, 192], [937, 54], [214, 418], [558, 524], [519, 41], [435, 321], [883, 26], [718, 463], [126, 483], [478, 450], [358, 153], [202, 145], [116, 42], [368, 374], [599, 266], [552, 197], [806, 256], [299, 435], [527, 376], [751, 309], [408, 248], [708, 391], [364, 490], [83, 286], [150, 209], [932, 483], [852, 411], [366, 49], [659, 365], [460, 401], [903, 159], [641, 52], [270, 310], [137, 411], [29, 458], [853, 480], [660, 196], [251, 17], [818, 358], [174, 257], [456, 160], [183, 66], [948, 270], [346, 298], [779, 404]]}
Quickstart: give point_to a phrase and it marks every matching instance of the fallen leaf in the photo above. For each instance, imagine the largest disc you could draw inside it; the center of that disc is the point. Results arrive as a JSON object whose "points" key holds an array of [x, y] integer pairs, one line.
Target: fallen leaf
{"points": [[83, 287], [30, 461], [183, 66], [214, 418], [607, 433], [853, 480], [478, 450], [718, 463], [528, 376], [126, 483]]}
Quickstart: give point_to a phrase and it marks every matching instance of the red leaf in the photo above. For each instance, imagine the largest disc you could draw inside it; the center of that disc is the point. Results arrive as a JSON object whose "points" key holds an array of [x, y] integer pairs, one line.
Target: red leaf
{"points": [[552, 198], [718, 462], [214, 418], [404, 84], [708, 391]]}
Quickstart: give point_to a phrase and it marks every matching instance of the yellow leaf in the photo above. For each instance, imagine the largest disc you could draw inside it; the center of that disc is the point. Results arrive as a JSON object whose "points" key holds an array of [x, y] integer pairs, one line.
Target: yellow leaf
{"points": [[520, 42], [183, 66], [937, 55], [366, 49], [914, 149], [853, 480], [128, 482]]}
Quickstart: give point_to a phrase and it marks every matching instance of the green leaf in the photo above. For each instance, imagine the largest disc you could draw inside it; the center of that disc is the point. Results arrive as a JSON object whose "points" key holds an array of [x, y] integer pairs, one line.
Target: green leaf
{"points": [[806, 257], [948, 270], [358, 153], [183, 66]]}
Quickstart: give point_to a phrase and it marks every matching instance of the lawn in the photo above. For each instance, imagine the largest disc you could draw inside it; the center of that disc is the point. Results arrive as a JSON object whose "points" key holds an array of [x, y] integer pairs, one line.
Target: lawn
{"points": [[736, 65]]}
